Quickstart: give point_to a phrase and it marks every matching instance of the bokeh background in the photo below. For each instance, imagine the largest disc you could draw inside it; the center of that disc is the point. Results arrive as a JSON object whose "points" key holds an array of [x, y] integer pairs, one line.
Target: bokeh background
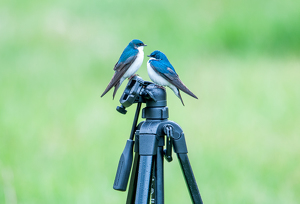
{"points": [[60, 142]]}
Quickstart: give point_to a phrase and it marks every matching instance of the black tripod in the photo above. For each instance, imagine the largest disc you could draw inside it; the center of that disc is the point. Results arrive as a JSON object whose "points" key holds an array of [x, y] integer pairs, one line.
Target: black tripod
{"points": [[147, 171]]}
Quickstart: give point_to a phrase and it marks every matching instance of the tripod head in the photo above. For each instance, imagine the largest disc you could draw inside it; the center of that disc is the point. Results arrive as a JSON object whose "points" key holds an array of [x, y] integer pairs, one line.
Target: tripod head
{"points": [[140, 91]]}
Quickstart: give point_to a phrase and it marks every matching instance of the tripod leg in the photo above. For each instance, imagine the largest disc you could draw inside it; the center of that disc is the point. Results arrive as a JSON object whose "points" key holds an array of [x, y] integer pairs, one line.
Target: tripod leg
{"points": [[133, 180], [159, 173], [144, 180], [189, 178]]}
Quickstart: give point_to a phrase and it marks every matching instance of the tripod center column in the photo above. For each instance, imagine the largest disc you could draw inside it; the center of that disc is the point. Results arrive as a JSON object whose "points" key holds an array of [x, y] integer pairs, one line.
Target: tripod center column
{"points": [[156, 106]]}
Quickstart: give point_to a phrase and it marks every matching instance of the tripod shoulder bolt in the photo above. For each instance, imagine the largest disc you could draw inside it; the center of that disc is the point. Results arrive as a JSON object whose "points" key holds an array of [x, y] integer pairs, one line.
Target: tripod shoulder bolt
{"points": [[177, 135]]}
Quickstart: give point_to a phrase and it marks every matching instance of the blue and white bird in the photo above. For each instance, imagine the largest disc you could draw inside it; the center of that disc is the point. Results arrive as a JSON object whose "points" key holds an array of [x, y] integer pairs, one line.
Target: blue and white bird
{"points": [[128, 64], [161, 72]]}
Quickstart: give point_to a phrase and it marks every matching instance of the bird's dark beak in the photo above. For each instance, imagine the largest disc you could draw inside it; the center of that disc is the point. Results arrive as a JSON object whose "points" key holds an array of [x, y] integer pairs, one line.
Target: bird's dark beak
{"points": [[148, 56], [144, 45]]}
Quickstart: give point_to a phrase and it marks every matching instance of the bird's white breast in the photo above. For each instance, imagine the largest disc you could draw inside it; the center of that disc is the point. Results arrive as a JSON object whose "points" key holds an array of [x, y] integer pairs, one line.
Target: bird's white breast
{"points": [[155, 77], [136, 64]]}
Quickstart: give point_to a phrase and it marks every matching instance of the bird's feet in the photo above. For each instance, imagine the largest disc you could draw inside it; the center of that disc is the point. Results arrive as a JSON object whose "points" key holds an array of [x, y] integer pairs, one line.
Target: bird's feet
{"points": [[132, 76], [160, 87]]}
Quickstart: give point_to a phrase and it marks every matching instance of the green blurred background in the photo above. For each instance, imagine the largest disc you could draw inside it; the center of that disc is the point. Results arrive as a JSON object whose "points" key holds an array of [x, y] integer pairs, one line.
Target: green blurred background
{"points": [[60, 142]]}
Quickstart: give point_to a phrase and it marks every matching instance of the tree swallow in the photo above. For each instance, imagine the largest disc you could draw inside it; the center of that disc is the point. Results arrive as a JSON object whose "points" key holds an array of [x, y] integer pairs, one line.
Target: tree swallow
{"points": [[163, 73], [128, 64]]}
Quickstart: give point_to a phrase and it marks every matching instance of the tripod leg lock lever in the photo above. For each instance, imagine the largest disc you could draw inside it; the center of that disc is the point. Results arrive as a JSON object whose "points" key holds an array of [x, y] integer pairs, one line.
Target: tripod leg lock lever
{"points": [[168, 130]]}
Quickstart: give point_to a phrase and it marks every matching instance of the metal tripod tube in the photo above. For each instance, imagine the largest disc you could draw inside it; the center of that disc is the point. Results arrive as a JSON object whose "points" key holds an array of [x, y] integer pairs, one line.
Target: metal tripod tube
{"points": [[159, 174], [135, 120], [144, 180], [133, 180]]}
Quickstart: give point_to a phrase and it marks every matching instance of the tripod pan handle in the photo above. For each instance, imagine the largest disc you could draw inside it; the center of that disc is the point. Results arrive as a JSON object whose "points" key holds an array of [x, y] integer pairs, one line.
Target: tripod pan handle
{"points": [[124, 167]]}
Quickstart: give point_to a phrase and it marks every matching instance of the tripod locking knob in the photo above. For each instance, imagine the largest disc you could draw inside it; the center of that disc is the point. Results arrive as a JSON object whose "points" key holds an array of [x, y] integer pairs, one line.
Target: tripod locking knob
{"points": [[121, 109]]}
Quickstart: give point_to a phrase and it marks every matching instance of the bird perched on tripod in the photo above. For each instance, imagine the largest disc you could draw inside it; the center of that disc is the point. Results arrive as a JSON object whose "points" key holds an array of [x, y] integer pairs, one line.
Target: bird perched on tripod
{"points": [[128, 64], [161, 72]]}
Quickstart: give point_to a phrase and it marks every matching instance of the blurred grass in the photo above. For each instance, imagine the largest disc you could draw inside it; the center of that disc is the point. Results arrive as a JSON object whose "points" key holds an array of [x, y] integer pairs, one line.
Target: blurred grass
{"points": [[60, 142]]}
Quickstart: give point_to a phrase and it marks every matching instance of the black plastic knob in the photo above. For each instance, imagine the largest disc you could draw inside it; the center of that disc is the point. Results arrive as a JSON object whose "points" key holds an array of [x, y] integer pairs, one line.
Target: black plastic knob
{"points": [[121, 109]]}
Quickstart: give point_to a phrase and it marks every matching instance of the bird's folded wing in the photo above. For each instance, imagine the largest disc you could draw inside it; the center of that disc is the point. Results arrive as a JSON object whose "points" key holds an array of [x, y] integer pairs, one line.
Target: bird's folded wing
{"points": [[120, 69], [168, 73]]}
